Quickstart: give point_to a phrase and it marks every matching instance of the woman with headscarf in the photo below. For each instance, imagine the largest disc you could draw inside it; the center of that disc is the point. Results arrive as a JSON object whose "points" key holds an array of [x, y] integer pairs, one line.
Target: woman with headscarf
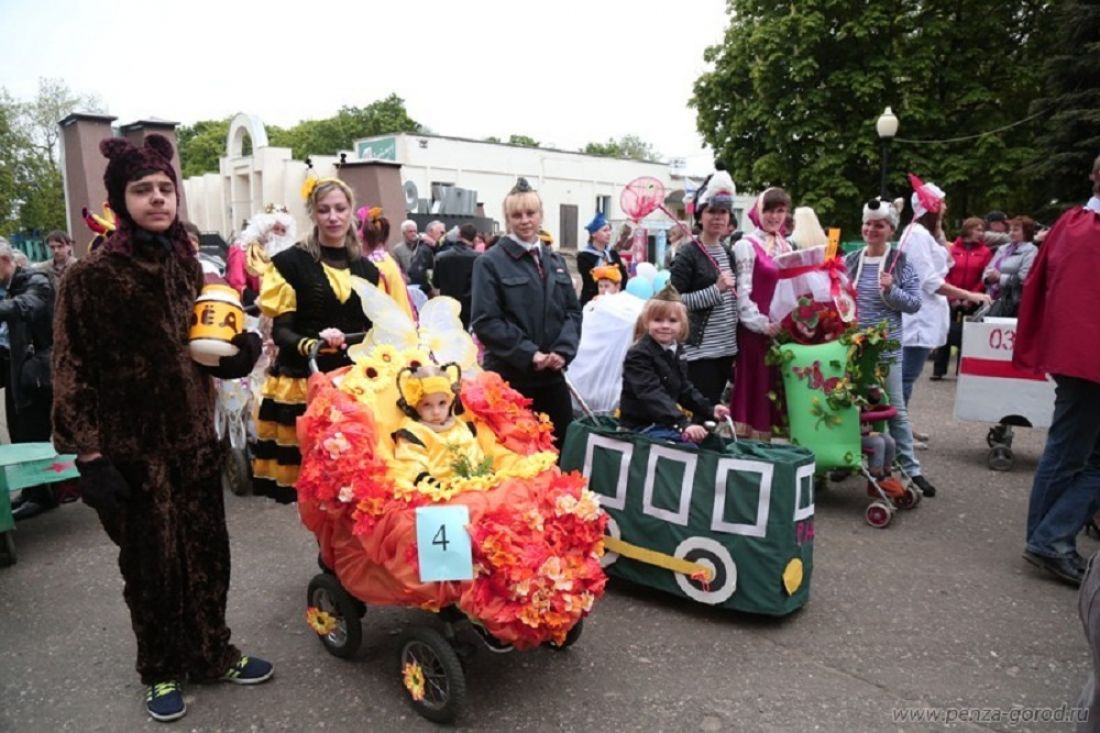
{"points": [[754, 413]]}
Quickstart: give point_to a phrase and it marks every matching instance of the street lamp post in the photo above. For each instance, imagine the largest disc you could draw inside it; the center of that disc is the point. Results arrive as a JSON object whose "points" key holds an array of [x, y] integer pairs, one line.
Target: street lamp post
{"points": [[887, 127]]}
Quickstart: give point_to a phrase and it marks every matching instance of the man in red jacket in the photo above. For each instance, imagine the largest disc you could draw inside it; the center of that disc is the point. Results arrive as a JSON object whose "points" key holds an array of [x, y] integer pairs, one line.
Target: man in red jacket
{"points": [[1059, 334]]}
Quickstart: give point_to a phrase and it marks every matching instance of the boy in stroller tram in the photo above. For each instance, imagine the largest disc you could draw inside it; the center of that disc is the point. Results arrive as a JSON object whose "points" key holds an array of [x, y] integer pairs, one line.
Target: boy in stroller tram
{"points": [[138, 412]]}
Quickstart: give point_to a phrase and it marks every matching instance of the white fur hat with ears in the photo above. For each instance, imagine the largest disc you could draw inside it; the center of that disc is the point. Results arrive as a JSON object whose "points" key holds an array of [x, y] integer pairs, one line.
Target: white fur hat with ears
{"points": [[876, 209]]}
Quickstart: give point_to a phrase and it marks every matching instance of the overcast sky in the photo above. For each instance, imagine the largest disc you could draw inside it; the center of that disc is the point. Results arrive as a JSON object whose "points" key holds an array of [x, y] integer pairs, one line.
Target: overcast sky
{"points": [[565, 72]]}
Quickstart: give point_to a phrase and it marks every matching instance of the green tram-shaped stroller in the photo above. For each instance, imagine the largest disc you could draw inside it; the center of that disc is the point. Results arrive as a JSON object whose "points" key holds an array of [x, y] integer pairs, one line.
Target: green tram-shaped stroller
{"points": [[729, 524]]}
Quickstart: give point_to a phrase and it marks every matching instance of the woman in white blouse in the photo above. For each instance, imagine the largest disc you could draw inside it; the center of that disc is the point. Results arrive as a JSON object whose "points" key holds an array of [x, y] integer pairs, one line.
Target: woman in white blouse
{"points": [[924, 246]]}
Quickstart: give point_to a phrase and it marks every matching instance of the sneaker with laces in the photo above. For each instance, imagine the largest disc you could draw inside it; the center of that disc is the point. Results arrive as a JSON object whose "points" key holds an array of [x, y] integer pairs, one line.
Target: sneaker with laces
{"points": [[164, 701], [249, 671]]}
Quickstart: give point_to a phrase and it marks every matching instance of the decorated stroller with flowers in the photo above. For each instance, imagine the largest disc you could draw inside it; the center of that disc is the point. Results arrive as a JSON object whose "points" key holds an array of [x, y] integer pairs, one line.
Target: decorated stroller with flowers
{"points": [[500, 538], [833, 387]]}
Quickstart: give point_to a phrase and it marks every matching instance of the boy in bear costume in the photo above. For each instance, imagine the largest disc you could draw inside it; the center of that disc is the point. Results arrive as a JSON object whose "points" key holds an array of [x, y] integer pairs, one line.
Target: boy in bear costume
{"points": [[138, 412]]}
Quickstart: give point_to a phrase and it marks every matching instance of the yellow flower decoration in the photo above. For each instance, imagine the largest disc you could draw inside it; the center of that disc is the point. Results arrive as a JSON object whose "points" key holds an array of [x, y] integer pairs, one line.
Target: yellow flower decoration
{"points": [[322, 622], [526, 467], [308, 185], [413, 675]]}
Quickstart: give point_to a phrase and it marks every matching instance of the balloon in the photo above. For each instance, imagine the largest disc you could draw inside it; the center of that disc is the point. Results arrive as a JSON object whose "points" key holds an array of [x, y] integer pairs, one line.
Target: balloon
{"points": [[639, 287], [661, 280], [646, 270]]}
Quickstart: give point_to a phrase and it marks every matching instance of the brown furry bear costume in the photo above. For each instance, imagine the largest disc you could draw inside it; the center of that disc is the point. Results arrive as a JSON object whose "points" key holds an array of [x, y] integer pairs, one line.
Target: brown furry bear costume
{"points": [[126, 387]]}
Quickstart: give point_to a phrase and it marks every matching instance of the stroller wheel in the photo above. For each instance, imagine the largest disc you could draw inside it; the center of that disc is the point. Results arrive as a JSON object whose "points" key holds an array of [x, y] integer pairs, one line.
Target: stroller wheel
{"points": [[998, 435], [570, 638], [878, 514], [432, 674], [326, 593], [1000, 458], [909, 500]]}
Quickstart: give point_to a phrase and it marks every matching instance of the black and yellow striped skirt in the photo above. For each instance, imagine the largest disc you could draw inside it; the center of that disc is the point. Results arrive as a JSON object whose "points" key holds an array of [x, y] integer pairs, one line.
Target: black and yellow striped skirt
{"points": [[276, 458]]}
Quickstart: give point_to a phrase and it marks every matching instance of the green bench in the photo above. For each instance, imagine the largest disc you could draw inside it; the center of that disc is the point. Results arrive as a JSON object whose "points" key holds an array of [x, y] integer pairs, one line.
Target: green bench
{"points": [[23, 465]]}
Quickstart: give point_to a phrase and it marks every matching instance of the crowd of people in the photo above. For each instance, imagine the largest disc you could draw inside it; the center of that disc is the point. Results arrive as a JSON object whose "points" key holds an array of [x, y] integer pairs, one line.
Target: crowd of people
{"points": [[94, 353]]}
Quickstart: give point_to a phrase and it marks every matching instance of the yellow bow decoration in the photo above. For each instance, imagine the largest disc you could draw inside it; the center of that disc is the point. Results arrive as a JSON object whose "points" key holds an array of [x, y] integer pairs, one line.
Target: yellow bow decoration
{"points": [[413, 389]]}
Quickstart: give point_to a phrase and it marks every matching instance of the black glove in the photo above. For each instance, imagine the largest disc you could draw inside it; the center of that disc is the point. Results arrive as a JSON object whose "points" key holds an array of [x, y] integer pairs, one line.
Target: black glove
{"points": [[102, 486], [249, 346]]}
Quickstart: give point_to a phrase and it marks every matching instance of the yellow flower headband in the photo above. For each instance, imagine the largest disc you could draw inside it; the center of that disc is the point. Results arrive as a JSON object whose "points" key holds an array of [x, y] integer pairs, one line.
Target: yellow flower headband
{"points": [[413, 388], [312, 182]]}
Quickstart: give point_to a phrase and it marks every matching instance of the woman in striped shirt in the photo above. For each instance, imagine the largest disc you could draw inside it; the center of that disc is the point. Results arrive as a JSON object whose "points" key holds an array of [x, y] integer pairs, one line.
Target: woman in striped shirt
{"points": [[703, 275], [887, 286]]}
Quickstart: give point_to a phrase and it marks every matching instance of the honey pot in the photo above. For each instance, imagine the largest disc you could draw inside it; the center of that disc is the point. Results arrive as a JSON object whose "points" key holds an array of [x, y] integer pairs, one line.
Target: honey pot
{"points": [[216, 319]]}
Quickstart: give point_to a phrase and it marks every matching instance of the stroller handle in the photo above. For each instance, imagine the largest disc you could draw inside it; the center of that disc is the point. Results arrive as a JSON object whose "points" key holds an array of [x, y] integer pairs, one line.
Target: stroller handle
{"points": [[577, 396], [349, 339]]}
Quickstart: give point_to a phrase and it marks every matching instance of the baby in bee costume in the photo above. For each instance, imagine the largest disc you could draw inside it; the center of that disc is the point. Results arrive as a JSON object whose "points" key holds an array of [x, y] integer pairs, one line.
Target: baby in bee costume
{"points": [[434, 443]]}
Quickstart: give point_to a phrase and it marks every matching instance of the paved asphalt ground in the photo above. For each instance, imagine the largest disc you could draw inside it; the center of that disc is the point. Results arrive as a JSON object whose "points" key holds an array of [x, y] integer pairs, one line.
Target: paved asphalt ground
{"points": [[937, 611]]}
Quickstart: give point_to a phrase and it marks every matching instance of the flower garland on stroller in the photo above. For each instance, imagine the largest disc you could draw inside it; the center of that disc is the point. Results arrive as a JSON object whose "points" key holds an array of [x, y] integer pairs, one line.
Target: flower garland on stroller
{"points": [[535, 533]]}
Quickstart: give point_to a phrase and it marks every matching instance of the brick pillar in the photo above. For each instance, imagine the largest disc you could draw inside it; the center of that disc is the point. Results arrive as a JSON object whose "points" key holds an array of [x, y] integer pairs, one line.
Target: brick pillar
{"points": [[377, 183]]}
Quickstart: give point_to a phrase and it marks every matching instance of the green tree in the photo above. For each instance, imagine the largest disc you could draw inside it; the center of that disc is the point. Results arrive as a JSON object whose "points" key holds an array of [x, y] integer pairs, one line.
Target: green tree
{"points": [[627, 146], [13, 147], [203, 143], [795, 90], [524, 140], [32, 197], [1069, 138]]}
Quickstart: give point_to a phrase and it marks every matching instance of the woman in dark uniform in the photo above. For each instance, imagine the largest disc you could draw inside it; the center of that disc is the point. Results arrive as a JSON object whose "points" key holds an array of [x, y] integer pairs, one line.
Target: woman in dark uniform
{"points": [[525, 310]]}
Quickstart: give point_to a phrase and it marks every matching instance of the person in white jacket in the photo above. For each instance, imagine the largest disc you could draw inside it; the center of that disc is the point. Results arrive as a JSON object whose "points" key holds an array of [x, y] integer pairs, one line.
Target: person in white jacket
{"points": [[924, 248]]}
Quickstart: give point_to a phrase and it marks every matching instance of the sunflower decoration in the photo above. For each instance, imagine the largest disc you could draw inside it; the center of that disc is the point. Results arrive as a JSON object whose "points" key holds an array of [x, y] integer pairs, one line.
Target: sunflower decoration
{"points": [[323, 622], [413, 675]]}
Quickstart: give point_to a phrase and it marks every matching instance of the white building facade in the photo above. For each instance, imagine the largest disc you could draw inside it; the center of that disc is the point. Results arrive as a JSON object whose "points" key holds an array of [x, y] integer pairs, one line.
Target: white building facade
{"points": [[573, 186], [222, 202]]}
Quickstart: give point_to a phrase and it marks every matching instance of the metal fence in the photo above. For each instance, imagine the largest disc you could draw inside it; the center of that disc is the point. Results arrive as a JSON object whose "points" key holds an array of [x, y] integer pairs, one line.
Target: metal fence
{"points": [[33, 246]]}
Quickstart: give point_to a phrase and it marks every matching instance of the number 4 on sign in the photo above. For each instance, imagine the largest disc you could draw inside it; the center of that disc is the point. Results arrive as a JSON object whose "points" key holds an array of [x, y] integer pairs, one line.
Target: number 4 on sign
{"points": [[443, 544], [441, 537]]}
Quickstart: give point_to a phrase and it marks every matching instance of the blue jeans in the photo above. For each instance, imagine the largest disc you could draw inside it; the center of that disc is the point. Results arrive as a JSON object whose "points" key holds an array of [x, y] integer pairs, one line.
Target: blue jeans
{"points": [[913, 359], [663, 432], [900, 429], [1066, 491]]}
